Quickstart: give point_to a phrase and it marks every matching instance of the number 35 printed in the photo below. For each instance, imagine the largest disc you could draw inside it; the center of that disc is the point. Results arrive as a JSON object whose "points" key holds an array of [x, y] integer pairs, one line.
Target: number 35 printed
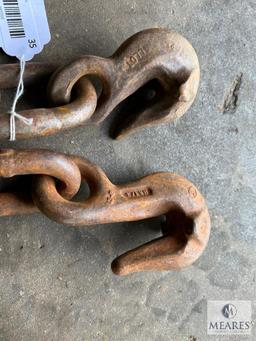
{"points": [[32, 43]]}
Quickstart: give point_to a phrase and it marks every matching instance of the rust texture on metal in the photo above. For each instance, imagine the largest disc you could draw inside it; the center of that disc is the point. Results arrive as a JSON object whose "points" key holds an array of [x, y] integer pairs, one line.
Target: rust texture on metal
{"points": [[154, 74], [47, 121], [57, 178], [9, 74]]}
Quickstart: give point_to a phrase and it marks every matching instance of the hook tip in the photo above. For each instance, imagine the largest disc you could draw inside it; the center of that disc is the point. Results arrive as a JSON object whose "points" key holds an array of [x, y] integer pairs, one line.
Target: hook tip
{"points": [[117, 268]]}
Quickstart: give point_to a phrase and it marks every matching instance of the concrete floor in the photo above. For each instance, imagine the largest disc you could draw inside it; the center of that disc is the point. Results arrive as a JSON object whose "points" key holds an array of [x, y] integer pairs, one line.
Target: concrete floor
{"points": [[56, 282]]}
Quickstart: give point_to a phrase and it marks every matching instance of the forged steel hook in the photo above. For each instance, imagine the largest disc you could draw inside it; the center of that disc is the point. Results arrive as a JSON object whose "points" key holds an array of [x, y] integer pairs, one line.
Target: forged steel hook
{"points": [[154, 54], [185, 233], [152, 78]]}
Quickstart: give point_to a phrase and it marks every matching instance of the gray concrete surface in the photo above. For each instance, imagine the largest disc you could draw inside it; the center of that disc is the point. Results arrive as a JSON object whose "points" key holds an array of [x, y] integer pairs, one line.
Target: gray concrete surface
{"points": [[56, 282]]}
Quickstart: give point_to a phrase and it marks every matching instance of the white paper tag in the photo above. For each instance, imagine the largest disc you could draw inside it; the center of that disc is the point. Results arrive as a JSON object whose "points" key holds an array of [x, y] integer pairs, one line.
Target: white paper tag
{"points": [[24, 27]]}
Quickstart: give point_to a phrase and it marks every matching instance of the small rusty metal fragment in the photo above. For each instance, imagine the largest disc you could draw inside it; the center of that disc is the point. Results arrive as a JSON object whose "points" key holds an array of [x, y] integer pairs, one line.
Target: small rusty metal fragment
{"points": [[185, 232], [160, 62]]}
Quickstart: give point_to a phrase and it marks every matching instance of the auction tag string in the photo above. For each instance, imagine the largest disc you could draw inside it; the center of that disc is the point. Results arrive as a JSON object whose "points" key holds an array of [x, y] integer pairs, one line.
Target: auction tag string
{"points": [[12, 112]]}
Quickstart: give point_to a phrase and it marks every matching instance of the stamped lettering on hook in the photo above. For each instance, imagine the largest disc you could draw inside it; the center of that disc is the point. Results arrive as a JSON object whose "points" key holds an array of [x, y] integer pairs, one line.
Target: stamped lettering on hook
{"points": [[131, 61], [137, 193]]}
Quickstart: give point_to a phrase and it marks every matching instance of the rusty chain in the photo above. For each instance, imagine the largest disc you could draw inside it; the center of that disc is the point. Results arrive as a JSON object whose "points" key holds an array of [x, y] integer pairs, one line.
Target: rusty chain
{"points": [[161, 83], [57, 178], [156, 68]]}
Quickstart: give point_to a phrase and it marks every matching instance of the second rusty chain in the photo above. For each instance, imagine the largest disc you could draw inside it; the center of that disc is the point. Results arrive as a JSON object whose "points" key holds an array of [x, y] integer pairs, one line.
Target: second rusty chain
{"points": [[169, 67], [187, 223]]}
